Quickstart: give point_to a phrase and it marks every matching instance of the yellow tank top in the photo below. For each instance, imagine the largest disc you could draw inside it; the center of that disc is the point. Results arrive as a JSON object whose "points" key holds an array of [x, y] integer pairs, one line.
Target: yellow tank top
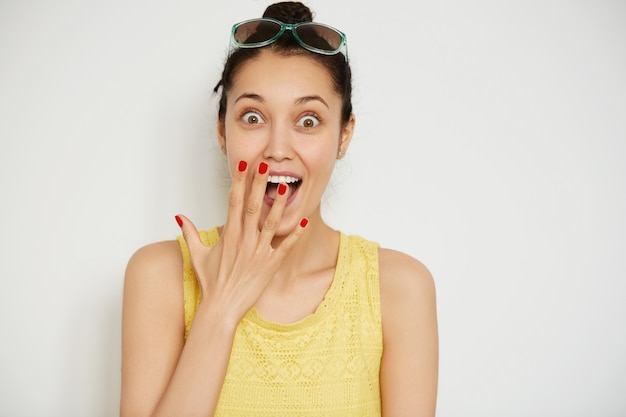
{"points": [[326, 364]]}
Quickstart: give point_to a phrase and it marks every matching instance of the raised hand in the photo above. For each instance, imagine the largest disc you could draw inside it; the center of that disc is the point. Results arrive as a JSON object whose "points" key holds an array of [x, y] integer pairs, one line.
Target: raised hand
{"points": [[233, 274]]}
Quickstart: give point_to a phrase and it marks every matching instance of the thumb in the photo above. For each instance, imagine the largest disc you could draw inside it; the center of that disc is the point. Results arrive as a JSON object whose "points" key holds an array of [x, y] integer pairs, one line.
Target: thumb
{"points": [[190, 233]]}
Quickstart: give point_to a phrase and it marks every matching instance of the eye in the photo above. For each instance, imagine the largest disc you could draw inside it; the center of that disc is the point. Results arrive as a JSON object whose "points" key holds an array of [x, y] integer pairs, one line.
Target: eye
{"points": [[308, 121], [252, 118]]}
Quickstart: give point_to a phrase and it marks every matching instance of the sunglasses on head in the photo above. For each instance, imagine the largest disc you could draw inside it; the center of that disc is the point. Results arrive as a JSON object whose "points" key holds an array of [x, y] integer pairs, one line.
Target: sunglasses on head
{"points": [[315, 37]]}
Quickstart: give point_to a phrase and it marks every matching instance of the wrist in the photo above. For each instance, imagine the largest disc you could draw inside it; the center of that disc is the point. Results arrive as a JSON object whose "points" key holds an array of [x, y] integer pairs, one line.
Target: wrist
{"points": [[211, 315]]}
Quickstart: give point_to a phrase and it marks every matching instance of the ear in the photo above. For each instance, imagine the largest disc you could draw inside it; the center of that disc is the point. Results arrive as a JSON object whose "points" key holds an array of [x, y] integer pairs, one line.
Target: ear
{"points": [[221, 135], [346, 136]]}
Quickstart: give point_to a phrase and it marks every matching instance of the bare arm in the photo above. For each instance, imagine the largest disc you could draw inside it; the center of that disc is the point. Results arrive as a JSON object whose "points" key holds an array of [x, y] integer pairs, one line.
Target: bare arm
{"points": [[409, 367], [158, 368]]}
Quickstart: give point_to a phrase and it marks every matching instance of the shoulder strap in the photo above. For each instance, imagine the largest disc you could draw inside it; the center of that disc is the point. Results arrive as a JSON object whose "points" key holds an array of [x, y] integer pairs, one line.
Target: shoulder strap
{"points": [[366, 252]]}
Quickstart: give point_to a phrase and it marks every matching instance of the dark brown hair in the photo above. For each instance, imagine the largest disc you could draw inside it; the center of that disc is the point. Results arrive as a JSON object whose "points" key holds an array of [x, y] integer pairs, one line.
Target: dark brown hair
{"points": [[290, 12]]}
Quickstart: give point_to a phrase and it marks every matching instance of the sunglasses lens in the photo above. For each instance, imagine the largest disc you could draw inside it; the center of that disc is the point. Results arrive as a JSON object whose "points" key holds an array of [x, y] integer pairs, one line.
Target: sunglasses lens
{"points": [[316, 37], [320, 37], [250, 33]]}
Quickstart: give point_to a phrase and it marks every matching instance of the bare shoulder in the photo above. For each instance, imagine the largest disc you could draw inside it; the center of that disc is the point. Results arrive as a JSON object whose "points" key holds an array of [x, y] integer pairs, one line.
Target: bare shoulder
{"points": [[152, 324], [154, 259], [409, 366], [407, 293], [403, 277], [154, 275]]}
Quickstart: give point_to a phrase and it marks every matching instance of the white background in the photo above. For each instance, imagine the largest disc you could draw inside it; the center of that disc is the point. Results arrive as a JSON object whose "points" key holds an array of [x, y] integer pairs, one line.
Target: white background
{"points": [[490, 144]]}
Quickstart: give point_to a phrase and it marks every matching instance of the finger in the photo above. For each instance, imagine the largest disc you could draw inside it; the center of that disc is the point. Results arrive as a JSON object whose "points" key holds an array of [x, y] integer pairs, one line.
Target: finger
{"points": [[272, 221], [198, 253], [236, 199], [285, 246], [190, 234], [254, 204]]}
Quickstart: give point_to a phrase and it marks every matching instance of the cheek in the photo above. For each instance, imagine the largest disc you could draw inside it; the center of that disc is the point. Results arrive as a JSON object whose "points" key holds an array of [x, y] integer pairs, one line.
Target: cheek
{"points": [[239, 148], [321, 155], [322, 166]]}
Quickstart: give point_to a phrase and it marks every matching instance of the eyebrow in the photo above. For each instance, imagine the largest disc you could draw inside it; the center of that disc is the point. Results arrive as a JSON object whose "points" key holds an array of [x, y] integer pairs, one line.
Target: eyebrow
{"points": [[306, 99], [251, 96], [301, 100]]}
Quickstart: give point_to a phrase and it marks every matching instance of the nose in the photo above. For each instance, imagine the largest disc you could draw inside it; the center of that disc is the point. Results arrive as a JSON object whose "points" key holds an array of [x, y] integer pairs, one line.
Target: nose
{"points": [[279, 143]]}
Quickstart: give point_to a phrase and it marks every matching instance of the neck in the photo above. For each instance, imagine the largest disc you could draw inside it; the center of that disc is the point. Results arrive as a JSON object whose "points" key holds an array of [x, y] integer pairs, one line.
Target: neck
{"points": [[315, 250]]}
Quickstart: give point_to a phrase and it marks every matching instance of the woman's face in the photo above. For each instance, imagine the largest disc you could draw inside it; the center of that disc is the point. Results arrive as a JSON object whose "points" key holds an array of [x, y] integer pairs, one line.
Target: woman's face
{"points": [[282, 110]]}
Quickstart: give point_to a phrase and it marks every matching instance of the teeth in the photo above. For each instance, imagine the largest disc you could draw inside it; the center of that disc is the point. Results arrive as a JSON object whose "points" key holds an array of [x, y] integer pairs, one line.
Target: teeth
{"points": [[276, 179]]}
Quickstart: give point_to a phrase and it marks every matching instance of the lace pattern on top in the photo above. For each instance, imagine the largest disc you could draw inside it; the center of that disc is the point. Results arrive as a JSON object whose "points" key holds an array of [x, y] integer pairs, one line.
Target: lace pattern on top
{"points": [[326, 364]]}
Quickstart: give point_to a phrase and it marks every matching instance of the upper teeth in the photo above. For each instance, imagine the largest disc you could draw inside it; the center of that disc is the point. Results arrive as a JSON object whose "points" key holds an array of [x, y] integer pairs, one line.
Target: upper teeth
{"points": [[276, 179]]}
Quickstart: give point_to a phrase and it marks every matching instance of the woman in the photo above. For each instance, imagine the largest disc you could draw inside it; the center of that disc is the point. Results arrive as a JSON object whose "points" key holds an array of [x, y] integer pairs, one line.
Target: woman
{"points": [[276, 313]]}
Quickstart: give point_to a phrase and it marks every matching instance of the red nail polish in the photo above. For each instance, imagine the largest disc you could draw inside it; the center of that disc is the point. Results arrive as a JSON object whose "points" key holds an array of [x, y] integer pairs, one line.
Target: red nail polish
{"points": [[242, 166], [304, 222], [263, 168], [179, 221], [282, 189]]}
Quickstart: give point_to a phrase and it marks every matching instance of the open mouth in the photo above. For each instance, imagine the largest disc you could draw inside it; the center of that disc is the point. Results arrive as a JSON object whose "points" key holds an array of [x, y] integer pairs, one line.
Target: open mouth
{"points": [[272, 185]]}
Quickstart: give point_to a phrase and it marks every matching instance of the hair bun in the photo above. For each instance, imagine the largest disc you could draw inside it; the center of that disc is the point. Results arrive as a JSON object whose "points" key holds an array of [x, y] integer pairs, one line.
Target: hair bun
{"points": [[289, 12]]}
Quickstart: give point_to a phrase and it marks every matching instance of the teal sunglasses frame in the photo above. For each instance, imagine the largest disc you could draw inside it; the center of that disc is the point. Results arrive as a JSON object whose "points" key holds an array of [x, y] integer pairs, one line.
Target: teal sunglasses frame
{"points": [[319, 28]]}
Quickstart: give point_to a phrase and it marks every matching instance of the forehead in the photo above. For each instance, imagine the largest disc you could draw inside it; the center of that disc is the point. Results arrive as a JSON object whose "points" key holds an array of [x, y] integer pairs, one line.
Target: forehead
{"points": [[293, 76]]}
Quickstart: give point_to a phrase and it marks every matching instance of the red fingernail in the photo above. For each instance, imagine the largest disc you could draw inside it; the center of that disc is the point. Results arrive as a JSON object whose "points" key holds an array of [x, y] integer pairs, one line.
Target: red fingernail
{"points": [[179, 221], [304, 222], [282, 189], [263, 168], [242, 166]]}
